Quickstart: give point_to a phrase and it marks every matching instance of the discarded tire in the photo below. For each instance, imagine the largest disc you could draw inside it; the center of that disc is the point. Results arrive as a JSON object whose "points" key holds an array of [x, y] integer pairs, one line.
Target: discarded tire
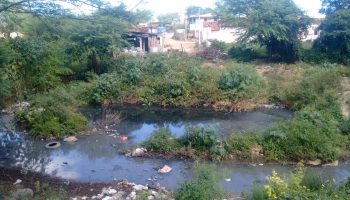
{"points": [[53, 145]]}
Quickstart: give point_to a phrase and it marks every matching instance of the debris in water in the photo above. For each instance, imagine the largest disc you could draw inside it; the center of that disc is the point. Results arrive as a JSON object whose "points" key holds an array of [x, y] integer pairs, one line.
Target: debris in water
{"points": [[18, 181], [138, 152], [123, 138], [53, 145], [165, 169], [228, 180], [70, 139], [261, 164]]}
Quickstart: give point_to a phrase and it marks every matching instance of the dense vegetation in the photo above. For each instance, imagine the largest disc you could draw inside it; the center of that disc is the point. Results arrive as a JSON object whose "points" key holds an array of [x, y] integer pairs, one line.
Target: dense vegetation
{"points": [[317, 131], [63, 60]]}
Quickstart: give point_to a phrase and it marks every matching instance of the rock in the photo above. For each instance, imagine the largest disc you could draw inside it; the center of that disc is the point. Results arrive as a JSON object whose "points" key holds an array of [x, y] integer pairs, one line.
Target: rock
{"points": [[70, 139], [20, 194], [333, 164], [107, 198], [228, 180], [18, 181], [155, 194], [314, 162], [108, 191], [261, 164], [83, 198], [119, 195], [138, 152], [165, 169], [150, 197], [132, 195], [140, 187]]}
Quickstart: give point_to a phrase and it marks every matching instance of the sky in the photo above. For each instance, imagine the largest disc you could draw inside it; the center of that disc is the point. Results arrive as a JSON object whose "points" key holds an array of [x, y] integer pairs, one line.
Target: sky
{"points": [[311, 7]]}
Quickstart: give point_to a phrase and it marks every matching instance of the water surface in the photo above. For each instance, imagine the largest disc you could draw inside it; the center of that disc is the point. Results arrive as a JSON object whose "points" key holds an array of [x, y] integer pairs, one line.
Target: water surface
{"points": [[95, 158]]}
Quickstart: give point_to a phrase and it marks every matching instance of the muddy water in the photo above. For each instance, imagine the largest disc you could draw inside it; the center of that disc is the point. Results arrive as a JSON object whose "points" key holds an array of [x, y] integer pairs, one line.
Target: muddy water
{"points": [[95, 158]]}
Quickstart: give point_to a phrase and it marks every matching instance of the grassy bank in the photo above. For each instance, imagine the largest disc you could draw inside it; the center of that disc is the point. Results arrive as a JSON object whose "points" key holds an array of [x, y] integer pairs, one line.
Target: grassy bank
{"points": [[317, 131]]}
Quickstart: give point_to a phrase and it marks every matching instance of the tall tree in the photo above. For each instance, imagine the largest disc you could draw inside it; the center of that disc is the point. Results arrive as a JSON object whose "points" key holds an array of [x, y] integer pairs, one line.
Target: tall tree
{"points": [[275, 24], [330, 6], [334, 40]]}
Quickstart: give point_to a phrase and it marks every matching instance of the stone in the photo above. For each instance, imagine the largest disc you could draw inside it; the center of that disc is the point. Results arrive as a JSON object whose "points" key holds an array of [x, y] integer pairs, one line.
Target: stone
{"points": [[70, 139], [155, 194], [107, 198], [150, 197], [314, 162], [18, 181], [140, 187], [165, 169], [108, 191], [138, 152], [333, 164], [133, 195], [83, 198], [20, 194]]}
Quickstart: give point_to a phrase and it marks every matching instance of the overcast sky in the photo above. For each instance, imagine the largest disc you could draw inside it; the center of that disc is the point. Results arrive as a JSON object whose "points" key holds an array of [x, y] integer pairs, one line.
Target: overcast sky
{"points": [[164, 6]]}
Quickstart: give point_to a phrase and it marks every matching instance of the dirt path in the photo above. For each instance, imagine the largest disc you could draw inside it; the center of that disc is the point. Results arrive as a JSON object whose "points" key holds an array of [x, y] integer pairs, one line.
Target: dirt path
{"points": [[345, 97]]}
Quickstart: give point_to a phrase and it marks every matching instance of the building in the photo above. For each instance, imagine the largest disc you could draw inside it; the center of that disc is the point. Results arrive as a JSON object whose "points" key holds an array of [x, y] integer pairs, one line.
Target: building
{"points": [[313, 31], [206, 28], [145, 42]]}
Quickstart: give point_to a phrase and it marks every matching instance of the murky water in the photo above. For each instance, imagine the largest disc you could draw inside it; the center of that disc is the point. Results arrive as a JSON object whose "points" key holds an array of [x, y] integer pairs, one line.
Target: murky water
{"points": [[95, 158]]}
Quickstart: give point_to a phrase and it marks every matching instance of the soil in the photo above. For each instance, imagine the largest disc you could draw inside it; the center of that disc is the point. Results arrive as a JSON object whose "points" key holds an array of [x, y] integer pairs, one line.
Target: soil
{"points": [[29, 179]]}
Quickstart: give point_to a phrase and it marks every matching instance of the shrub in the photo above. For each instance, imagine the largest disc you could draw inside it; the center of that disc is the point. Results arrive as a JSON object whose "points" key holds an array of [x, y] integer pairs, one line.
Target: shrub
{"points": [[292, 186], [309, 136], [241, 145], [210, 53], [315, 84], [205, 140], [168, 90], [161, 141], [52, 115], [204, 185], [219, 45], [246, 52], [240, 82], [106, 86]]}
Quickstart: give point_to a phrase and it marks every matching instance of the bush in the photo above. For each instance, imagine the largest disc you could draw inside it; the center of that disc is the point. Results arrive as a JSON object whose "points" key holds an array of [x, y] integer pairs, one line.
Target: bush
{"points": [[205, 140], [241, 145], [52, 115], [293, 186], [168, 90], [219, 45], [240, 82], [161, 141], [204, 185], [106, 86], [210, 53], [309, 136], [247, 52]]}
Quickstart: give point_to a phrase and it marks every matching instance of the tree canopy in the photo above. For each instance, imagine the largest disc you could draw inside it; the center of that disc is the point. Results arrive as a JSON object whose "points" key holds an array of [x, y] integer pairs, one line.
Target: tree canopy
{"points": [[330, 6], [334, 40], [275, 24]]}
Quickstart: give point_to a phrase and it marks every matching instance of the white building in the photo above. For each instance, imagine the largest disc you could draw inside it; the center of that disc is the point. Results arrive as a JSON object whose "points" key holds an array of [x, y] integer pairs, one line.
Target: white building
{"points": [[206, 28]]}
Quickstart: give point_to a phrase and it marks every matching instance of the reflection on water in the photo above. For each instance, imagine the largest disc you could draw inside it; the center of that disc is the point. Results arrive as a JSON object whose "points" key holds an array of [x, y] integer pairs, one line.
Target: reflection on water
{"points": [[138, 123], [95, 158]]}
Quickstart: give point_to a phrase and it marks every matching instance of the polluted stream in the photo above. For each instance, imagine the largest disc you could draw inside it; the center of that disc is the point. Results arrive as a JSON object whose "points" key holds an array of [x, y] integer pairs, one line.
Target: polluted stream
{"points": [[96, 157]]}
